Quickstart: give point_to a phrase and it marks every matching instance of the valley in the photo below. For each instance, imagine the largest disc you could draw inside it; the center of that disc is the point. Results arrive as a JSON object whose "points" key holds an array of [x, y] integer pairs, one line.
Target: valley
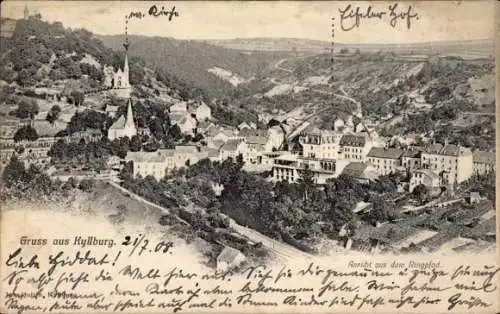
{"points": [[274, 147]]}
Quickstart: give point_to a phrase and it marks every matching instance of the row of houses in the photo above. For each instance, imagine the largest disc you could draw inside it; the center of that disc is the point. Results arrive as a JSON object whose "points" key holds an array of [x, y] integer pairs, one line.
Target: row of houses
{"points": [[328, 153], [256, 147], [159, 163]]}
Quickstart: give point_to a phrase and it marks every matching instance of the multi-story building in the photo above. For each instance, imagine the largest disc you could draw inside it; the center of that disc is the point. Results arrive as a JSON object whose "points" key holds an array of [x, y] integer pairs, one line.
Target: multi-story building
{"points": [[202, 111], [483, 162], [425, 177], [318, 143], [290, 168], [185, 121], [159, 163], [412, 159], [233, 148], [355, 147], [452, 163], [385, 160]]}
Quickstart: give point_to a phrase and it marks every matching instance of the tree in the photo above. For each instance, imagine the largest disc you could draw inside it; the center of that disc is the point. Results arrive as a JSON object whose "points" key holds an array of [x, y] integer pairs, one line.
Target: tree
{"points": [[25, 133], [54, 113], [175, 132], [135, 144], [27, 109], [86, 185], [14, 171], [421, 193], [306, 181], [77, 98], [126, 174]]}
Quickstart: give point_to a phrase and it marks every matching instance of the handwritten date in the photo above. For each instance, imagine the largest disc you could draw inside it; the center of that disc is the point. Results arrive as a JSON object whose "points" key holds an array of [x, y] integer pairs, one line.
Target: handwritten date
{"points": [[141, 244]]}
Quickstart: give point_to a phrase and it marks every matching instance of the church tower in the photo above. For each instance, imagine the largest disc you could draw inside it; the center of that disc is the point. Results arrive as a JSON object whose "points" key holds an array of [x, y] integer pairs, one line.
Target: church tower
{"points": [[130, 116], [26, 13], [121, 78]]}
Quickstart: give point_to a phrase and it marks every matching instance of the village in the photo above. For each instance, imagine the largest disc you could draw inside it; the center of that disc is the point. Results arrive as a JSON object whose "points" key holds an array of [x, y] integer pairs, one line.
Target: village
{"points": [[279, 148], [354, 150]]}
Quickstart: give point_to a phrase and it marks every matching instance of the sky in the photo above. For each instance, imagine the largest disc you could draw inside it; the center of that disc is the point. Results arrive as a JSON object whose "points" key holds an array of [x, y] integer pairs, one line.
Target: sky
{"points": [[437, 20]]}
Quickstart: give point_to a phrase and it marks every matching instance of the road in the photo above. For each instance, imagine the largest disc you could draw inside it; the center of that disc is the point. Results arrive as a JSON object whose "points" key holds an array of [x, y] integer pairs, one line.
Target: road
{"points": [[277, 65], [280, 249], [345, 96]]}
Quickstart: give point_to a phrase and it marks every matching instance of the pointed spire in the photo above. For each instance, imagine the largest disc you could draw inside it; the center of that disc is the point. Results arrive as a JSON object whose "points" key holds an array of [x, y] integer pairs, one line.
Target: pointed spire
{"points": [[125, 65], [130, 116], [26, 12], [126, 44]]}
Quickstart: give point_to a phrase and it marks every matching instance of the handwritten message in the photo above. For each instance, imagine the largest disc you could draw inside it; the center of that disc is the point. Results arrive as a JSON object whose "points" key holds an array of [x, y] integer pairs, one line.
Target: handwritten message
{"points": [[351, 17], [136, 273], [155, 11]]}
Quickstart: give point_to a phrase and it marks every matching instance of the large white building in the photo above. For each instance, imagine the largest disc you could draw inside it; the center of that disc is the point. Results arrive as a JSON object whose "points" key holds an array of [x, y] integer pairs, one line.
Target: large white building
{"points": [[385, 160], [452, 163], [159, 163], [124, 126], [355, 147], [290, 168], [484, 162], [318, 143]]}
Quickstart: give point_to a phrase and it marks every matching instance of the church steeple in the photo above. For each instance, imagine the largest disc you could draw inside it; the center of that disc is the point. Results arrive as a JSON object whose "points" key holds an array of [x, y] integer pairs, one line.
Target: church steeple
{"points": [[26, 12], [126, 44], [129, 122]]}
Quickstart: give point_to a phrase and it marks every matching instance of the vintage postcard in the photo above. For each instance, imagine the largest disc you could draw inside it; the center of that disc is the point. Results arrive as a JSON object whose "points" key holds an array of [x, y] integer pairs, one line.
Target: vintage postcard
{"points": [[248, 157]]}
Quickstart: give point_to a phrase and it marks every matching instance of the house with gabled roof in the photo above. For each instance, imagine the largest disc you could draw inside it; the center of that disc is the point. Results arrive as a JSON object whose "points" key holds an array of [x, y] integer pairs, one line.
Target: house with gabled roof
{"points": [[385, 160], [185, 121], [453, 163], [483, 162], [201, 111], [229, 258], [124, 126], [233, 148], [355, 147]]}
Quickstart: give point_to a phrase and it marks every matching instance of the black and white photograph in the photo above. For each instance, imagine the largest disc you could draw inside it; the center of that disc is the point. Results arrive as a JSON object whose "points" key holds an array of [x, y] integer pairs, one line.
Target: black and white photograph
{"points": [[245, 135]]}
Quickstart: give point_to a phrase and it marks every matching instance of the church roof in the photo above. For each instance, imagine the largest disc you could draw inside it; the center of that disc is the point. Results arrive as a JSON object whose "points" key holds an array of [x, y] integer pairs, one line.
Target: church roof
{"points": [[119, 124]]}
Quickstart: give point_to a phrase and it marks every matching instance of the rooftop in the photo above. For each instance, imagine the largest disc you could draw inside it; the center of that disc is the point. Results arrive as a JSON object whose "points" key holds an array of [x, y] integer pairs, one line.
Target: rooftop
{"points": [[427, 172], [158, 156], [228, 255], [447, 150], [484, 157], [353, 140], [252, 132], [119, 124], [186, 149], [358, 170], [231, 145], [260, 140], [389, 153]]}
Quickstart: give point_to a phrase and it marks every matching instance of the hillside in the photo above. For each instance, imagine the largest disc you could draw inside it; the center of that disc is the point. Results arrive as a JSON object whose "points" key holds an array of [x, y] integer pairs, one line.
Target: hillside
{"points": [[273, 44], [471, 48], [194, 62], [386, 85]]}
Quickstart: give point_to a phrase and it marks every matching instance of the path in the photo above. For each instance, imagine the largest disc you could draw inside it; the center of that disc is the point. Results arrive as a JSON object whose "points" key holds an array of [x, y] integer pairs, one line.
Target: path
{"points": [[345, 96], [281, 249]]}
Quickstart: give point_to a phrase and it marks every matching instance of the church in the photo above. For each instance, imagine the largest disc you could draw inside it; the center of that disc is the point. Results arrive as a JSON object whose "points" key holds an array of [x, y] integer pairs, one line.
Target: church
{"points": [[119, 80], [124, 126]]}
